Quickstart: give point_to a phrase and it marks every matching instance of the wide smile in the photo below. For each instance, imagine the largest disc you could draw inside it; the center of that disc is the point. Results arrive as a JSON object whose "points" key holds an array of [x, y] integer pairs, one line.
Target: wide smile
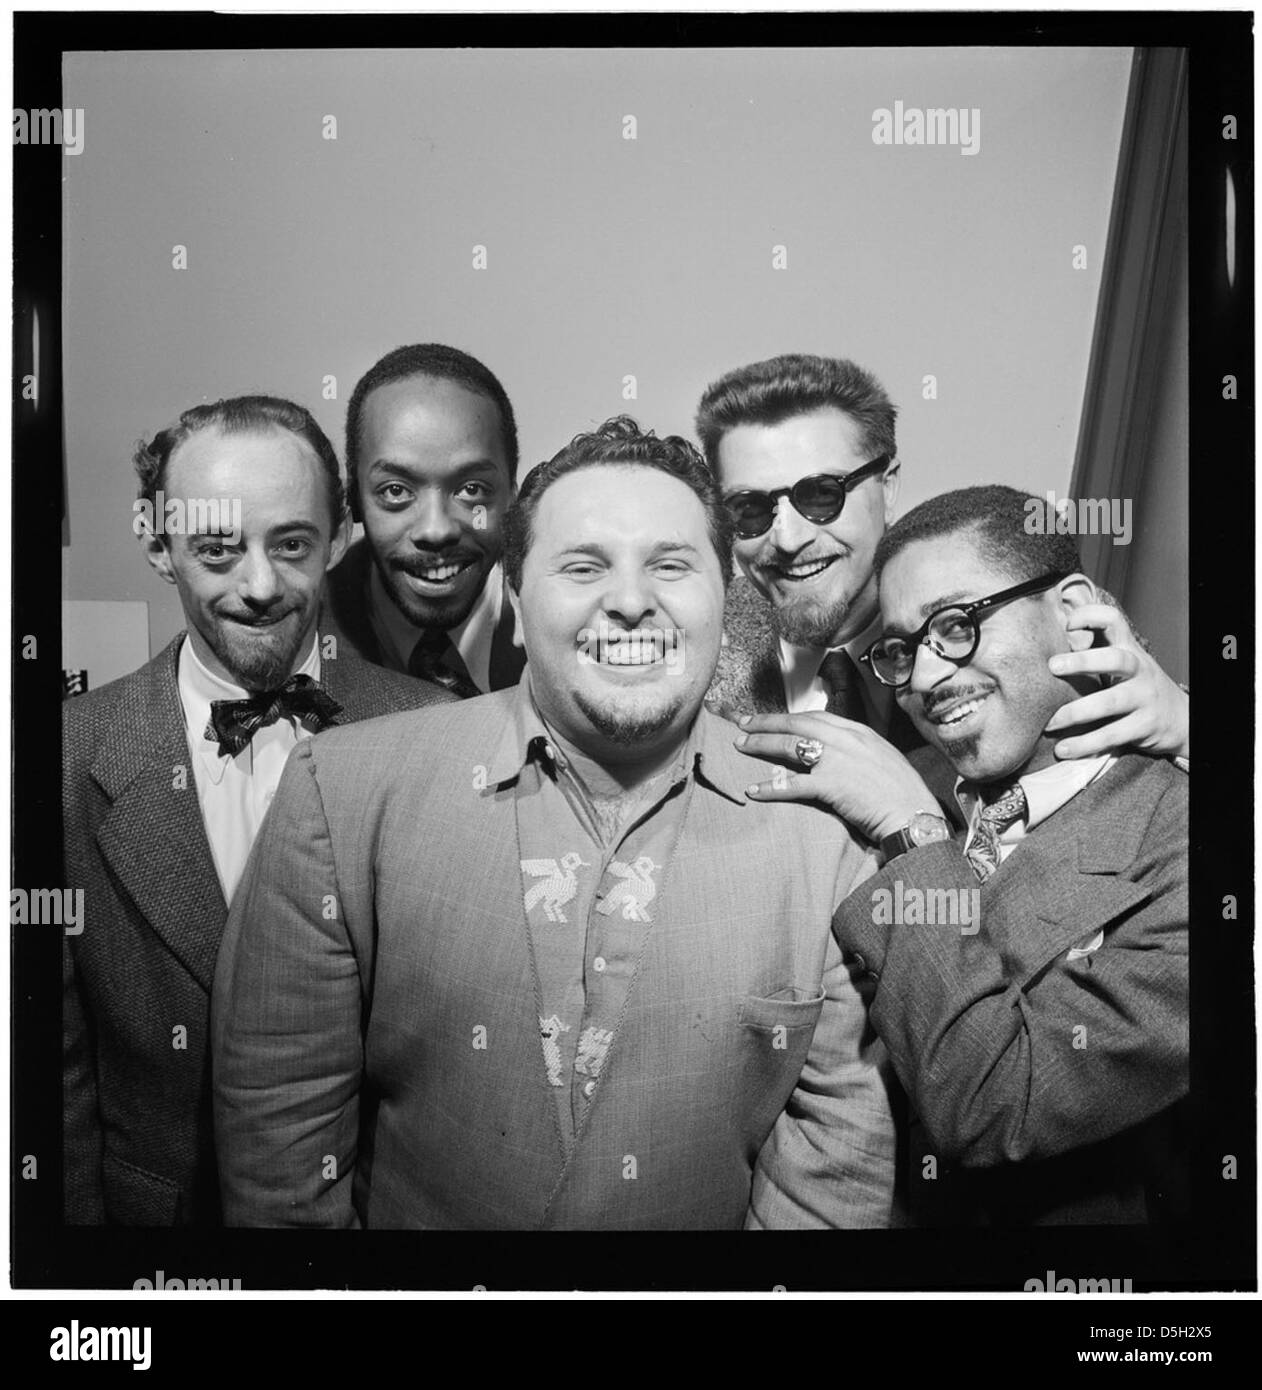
{"points": [[437, 578], [630, 650], [802, 571], [958, 718]]}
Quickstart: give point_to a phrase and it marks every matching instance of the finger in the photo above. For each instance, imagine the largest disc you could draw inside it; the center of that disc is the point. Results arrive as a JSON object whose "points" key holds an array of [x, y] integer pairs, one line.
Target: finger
{"points": [[778, 748], [1110, 737], [785, 786], [1120, 663], [1100, 704], [816, 724], [1103, 617]]}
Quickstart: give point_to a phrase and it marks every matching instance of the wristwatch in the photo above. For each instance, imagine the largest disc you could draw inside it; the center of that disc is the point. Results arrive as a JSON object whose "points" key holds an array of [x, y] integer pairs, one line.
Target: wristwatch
{"points": [[924, 828]]}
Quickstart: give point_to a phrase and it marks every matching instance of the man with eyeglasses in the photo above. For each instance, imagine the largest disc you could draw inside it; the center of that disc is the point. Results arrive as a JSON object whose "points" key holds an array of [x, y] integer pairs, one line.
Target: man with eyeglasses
{"points": [[805, 453], [1031, 974]]}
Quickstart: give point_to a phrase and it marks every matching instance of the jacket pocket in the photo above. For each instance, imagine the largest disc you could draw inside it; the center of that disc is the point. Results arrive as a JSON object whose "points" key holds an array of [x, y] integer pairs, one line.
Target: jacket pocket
{"points": [[136, 1197], [789, 1007]]}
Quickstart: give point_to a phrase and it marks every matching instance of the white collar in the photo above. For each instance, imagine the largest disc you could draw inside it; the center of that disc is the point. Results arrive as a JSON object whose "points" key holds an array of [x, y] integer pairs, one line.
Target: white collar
{"points": [[1046, 791], [199, 686]]}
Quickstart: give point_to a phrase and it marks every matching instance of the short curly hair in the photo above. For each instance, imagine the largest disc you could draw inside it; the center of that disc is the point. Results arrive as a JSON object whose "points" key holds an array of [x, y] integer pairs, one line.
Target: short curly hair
{"points": [[240, 415], [994, 519], [782, 388], [617, 441]]}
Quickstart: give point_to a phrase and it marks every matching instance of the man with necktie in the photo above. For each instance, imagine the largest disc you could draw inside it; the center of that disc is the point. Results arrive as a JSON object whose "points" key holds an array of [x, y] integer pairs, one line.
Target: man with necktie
{"points": [[1030, 974], [167, 774], [805, 452], [431, 457]]}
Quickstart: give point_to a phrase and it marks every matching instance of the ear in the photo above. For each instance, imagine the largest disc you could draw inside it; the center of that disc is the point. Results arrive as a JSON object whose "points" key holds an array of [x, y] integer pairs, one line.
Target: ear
{"points": [[518, 638], [1074, 591], [890, 484], [158, 555], [341, 539]]}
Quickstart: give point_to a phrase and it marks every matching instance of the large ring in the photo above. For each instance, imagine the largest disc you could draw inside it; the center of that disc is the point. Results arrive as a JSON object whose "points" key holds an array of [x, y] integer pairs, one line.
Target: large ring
{"points": [[809, 751]]}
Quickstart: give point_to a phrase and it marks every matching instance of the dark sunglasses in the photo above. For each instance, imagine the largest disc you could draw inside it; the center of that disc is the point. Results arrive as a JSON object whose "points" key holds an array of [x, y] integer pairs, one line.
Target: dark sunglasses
{"points": [[952, 632], [820, 498]]}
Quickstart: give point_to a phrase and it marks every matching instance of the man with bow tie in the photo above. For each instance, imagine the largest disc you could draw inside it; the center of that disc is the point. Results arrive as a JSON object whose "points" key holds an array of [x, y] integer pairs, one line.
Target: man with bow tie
{"points": [[167, 775]]}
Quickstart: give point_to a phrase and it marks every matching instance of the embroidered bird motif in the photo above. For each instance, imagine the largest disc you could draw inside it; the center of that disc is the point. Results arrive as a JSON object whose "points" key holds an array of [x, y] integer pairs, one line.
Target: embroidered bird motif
{"points": [[634, 893], [559, 885], [550, 1030]]}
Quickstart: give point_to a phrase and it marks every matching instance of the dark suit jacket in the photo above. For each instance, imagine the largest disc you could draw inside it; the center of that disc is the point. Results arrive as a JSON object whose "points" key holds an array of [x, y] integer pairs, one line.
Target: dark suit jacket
{"points": [[346, 617], [748, 680], [138, 1146], [1047, 1084]]}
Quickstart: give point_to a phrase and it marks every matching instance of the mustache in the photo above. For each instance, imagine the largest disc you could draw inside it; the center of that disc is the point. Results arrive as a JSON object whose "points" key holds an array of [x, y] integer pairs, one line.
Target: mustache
{"points": [[773, 555], [935, 699]]}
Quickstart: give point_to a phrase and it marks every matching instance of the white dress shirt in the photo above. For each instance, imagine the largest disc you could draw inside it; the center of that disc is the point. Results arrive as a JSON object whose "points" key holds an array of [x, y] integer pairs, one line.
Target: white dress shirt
{"points": [[472, 639], [234, 793], [805, 692], [1046, 791]]}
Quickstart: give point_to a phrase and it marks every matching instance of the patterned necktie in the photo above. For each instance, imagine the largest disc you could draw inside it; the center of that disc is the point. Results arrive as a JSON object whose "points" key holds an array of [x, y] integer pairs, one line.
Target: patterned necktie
{"points": [[235, 722], [844, 685], [982, 851], [435, 658]]}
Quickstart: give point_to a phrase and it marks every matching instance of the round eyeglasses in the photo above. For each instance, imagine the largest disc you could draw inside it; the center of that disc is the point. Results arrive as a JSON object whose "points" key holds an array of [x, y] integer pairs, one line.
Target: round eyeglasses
{"points": [[952, 632], [820, 498]]}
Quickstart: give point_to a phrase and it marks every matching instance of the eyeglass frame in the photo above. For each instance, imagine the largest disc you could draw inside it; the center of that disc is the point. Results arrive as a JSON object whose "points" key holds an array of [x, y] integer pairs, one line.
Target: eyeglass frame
{"points": [[847, 480], [920, 638]]}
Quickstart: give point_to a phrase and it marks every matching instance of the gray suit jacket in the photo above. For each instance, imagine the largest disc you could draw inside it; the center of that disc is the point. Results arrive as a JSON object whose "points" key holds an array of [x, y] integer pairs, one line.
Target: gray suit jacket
{"points": [[381, 924], [136, 1009], [1045, 1083]]}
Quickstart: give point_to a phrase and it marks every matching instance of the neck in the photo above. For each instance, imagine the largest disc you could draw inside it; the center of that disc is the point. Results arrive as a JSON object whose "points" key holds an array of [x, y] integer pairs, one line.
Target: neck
{"points": [[858, 617], [607, 777]]}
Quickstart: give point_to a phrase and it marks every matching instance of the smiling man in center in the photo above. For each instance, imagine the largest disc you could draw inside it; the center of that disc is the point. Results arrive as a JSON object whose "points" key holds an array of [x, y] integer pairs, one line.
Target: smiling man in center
{"points": [[537, 962]]}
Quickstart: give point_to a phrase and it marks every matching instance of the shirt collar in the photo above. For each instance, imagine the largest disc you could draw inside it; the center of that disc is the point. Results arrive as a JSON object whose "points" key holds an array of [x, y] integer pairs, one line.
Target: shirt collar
{"points": [[199, 686], [524, 737], [1046, 791], [471, 638]]}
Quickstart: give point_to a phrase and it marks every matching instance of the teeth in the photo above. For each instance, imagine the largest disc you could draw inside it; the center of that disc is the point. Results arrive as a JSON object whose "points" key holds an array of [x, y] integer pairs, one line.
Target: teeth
{"points": [[805, 571], [639, 648], [436, 574], [961, 712]]}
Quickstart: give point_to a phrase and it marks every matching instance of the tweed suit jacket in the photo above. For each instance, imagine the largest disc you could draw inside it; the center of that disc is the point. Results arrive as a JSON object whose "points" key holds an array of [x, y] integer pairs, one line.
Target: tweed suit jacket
{"points": [[1051, 1083], [748, 680], [378, 1060], [346, 616], [137, 1141]]}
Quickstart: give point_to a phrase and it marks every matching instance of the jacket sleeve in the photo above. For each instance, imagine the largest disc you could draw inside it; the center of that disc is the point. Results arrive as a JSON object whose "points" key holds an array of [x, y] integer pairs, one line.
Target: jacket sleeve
{"points": [[829, 1161], [1062, 1021], [285, 1021], [82, 1141]]}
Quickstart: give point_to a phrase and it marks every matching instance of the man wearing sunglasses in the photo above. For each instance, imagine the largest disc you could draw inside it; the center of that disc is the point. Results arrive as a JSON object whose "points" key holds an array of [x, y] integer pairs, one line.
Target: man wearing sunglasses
{"points": [[1040, 1027], [805, 453]]}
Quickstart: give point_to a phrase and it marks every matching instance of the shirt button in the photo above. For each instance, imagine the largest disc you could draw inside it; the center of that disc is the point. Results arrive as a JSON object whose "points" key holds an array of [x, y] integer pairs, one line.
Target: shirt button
{"points": [[589, 1088], [598, 964]]}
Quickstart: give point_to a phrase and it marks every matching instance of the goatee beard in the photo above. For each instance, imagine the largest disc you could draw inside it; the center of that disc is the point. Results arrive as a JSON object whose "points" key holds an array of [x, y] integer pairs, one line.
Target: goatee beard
{"points": [[627, 728], [810, 623], [258, 666]]}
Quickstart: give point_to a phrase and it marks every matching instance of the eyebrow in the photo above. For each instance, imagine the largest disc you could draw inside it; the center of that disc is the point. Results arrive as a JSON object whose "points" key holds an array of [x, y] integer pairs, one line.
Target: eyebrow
{"points": [[944, 601]]}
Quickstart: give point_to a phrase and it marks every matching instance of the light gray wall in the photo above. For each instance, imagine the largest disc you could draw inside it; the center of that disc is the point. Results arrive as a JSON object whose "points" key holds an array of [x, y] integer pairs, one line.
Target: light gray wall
{"points": [[606, 257]]}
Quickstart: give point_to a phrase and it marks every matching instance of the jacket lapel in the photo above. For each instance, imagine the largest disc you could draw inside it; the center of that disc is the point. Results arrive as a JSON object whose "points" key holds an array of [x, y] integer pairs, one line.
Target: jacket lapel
{"points": [[1071, 882], [153, 836]]}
